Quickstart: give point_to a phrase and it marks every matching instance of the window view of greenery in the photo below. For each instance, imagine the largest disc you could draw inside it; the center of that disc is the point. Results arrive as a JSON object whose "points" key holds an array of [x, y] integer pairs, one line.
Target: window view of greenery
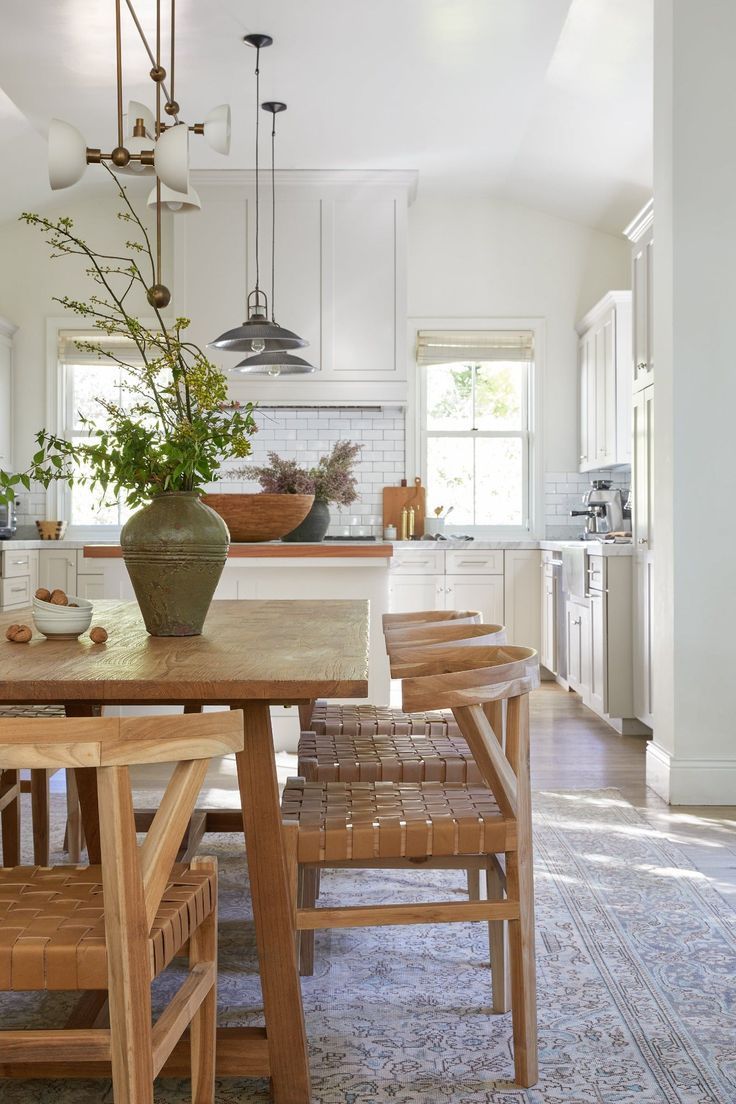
{"points": [[84, 383], [476, 440]]}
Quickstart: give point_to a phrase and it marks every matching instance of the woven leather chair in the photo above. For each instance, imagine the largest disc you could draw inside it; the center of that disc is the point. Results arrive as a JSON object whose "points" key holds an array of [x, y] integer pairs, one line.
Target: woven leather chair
{"points": [[55, 933], [394, 824], [38, 787]]}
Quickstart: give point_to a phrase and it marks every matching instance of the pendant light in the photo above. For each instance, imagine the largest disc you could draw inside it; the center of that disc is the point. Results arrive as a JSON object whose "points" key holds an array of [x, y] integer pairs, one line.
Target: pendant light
{"points": [[258, 333], [274, 362]]}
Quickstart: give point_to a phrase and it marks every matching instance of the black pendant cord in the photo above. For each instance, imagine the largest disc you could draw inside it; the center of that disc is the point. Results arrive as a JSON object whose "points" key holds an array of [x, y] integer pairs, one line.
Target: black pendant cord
{"points": [[273, 219], [258, 120]]}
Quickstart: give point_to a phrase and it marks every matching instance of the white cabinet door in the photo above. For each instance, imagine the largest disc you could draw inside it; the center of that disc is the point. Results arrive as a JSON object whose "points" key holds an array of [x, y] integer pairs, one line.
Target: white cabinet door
{"points": [[605, 390], [643, 470], [521, 603], [6, 400], [578, 647], [91, 586], [642, 276], [586, 370], [598, 695], [643, 637], [57, 569], [548, 653], [476, 592], [411, 593]]}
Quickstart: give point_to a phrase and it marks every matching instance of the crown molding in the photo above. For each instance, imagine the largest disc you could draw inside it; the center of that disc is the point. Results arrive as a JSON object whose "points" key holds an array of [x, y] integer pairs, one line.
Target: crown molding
{"points": [[401, 179], [641, 223], [610, 299], [7, 328]]}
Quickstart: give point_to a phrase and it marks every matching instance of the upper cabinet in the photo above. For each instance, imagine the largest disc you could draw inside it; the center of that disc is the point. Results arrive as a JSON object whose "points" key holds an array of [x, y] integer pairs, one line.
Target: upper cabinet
{"points": [[7, 329], [340, 276], [641, 233], [604, 364]]}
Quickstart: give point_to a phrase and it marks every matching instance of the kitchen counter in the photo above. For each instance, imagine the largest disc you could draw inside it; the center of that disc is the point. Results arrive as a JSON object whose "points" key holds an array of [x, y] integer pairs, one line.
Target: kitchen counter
{"points": [[331, 550]]}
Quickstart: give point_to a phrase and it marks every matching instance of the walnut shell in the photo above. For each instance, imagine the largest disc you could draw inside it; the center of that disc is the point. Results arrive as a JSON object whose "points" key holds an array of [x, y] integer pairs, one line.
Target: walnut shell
{"points": [[43, 594], [98, 634], [19, 634], [58, 598]]}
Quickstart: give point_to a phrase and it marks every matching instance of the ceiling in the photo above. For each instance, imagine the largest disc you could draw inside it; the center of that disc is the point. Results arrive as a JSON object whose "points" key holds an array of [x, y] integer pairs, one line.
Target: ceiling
{"points": [[544, 102]]}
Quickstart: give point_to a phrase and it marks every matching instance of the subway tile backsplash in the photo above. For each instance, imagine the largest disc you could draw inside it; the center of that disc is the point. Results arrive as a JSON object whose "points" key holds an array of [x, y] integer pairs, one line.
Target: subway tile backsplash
{"points": [[306, 435], [563, 491]]}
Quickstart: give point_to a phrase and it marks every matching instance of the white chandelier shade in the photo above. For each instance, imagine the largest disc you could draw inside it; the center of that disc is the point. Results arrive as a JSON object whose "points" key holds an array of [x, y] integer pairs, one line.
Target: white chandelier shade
{"points": [[67, 154], [178, 202], [217, 129], [171, 158], [138, 110]]}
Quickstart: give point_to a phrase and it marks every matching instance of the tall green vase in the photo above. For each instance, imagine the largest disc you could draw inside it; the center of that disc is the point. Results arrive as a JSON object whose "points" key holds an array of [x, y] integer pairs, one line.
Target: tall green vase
{"points": [[175, 550]]}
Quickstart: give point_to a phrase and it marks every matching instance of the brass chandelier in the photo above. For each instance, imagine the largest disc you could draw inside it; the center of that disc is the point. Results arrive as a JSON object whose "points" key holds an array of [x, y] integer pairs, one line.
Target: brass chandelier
{"points": [[151, 145]]}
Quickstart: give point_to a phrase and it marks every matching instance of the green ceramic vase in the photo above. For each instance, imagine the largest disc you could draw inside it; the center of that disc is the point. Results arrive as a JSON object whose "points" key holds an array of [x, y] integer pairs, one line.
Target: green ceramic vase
{"points": [[175, 550]]}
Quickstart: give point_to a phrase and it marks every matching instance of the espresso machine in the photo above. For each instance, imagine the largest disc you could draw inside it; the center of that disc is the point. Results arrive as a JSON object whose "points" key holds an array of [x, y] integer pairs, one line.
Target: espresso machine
{"points": [[604, 511]]}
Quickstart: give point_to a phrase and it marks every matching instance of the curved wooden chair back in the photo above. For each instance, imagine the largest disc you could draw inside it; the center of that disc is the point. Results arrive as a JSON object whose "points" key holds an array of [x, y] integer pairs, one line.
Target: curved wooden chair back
{"points": [[440, 636], [110, 745], [430, 617]]}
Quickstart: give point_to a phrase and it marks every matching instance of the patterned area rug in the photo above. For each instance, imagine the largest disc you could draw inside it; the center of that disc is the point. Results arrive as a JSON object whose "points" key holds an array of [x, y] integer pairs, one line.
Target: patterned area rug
{"points": [[636, 967]]}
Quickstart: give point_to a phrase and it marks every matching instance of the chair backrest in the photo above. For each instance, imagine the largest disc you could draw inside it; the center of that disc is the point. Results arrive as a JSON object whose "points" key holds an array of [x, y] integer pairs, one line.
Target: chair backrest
{"points": [[439, 636], [468, 680], [134, 878], [433, 617]]}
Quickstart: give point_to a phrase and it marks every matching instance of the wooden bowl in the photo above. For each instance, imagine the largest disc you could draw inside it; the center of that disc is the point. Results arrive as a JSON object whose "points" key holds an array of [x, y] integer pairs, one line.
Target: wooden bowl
{"points": [[51, 530], [259, 517]]}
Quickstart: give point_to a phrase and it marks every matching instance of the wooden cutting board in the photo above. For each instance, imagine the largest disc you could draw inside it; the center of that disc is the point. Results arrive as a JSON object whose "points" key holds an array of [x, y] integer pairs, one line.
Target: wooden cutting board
{"points": [[395, 498]]}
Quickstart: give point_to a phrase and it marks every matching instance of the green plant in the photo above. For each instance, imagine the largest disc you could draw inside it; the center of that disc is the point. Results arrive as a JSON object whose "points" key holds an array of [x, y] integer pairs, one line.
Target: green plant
{"points": [[175, 425], [332, 480]]}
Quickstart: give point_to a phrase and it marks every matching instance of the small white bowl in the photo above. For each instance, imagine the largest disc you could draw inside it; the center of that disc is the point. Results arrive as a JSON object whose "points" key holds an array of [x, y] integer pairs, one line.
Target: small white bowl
{"points": [[50, 609], [76, 622]]}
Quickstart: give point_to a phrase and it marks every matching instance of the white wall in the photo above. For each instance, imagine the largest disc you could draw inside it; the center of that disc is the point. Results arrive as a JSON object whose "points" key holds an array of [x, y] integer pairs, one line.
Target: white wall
{"points": [[29, 280], [487, 258], [692, 759]]}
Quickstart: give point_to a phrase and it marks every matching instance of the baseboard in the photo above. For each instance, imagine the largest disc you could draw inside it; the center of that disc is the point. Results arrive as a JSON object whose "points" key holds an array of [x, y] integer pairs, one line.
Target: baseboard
{"points": [[681, 781]]}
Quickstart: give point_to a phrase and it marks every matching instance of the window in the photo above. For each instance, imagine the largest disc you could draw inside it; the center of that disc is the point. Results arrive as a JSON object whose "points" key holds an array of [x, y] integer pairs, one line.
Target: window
{"points": [[476, 425], [83, 377]]}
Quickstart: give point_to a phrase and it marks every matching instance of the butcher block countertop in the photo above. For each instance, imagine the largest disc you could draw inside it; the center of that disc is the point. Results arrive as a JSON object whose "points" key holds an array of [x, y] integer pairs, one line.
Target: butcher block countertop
{"points": [[275, 550]]}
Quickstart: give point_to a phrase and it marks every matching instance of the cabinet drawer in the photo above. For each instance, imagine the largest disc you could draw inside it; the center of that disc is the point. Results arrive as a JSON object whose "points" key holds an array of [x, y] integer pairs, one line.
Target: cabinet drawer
{"points": [[16, 592], [417, 562], [475, 561], [17, 563]]}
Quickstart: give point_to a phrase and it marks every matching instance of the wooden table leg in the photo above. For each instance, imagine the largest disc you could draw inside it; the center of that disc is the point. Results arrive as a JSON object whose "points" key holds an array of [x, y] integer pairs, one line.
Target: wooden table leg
{"points": [[86, 778], [282, 998]]}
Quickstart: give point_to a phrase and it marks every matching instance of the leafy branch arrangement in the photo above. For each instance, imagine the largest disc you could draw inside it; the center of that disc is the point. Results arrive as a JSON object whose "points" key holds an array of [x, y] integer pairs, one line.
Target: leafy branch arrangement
{"points": [[332, 480], [174, 425]]}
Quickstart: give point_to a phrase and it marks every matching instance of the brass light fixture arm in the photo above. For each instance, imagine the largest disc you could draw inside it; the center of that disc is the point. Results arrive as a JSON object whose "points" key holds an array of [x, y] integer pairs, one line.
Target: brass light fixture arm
{"points": [[149, 51]]}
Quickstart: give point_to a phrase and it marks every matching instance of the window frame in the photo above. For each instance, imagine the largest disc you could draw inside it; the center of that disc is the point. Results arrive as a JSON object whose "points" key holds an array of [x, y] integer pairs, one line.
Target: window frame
{"points": [[59, 420], [417, 432]]}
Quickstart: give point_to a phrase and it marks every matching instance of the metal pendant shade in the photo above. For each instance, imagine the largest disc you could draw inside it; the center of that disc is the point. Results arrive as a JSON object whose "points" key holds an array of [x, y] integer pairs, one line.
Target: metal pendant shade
{"points": [[260, 333], [274, 363]]}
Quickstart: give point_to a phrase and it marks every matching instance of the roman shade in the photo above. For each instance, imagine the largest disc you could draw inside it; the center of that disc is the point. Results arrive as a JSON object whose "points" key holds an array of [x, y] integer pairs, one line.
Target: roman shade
{"points": [[471, 346], [120, 346]]}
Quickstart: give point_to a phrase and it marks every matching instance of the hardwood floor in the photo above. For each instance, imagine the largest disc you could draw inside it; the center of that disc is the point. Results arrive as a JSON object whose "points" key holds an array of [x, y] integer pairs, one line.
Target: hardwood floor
{"points": [[573, 749]]}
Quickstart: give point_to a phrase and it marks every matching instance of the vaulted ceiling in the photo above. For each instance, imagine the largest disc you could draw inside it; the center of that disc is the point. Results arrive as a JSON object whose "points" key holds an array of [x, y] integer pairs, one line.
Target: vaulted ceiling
{"points": [[544, 102]]}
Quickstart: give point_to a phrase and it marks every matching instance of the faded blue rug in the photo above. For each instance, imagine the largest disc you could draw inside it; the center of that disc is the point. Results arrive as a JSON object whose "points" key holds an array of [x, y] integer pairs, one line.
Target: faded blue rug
{"points": [[636, 961]]}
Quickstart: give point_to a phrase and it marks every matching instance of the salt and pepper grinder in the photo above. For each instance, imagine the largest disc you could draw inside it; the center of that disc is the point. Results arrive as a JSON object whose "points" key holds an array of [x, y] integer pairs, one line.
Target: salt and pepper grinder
{"points": [[411, 523], [404, 523]]}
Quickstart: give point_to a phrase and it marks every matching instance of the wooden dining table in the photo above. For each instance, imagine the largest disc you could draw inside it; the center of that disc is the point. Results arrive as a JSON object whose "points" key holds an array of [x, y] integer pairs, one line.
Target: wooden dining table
{"points": [[251, 655]]}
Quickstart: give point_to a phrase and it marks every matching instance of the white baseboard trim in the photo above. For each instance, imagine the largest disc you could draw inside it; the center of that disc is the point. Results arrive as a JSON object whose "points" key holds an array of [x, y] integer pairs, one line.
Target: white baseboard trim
{"points": [[680, 781]]}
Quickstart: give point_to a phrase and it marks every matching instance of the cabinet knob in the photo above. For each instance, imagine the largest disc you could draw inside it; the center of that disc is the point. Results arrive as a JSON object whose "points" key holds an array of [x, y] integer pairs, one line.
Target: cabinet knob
{"points": [[643, 540]]}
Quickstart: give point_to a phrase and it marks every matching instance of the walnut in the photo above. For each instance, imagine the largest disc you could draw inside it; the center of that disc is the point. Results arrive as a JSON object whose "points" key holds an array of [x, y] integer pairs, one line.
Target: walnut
{"points": [[98, 634], [74, 605], [43, 594], [19, 634], [58, 598]]}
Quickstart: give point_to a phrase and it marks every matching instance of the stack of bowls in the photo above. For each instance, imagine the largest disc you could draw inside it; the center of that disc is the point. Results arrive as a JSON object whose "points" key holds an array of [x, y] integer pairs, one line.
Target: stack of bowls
{"points": [[62, 622]]}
